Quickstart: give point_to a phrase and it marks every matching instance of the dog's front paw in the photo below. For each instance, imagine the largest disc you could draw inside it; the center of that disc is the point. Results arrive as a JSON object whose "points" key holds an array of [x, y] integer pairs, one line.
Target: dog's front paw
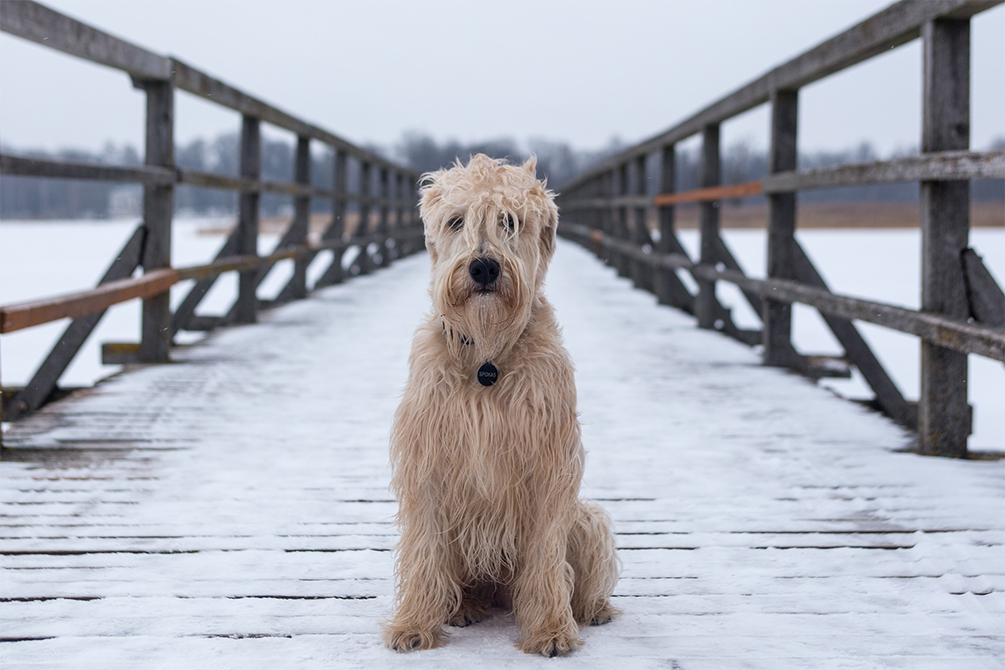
{"points": [[401, 639], [468, 614], [551, 645]]}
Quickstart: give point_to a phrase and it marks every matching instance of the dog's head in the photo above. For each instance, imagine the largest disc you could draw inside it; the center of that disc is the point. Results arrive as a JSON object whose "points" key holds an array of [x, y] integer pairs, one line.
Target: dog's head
{"points": [[490, 232]]}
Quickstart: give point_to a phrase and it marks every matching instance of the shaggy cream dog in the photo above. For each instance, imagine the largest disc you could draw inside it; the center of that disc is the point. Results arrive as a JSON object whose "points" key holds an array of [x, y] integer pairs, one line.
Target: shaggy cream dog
{"points": [[485, 449]]}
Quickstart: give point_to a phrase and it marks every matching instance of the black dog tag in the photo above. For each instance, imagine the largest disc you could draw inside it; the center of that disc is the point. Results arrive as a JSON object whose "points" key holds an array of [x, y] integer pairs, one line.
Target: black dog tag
{"points": [[487, 374]]}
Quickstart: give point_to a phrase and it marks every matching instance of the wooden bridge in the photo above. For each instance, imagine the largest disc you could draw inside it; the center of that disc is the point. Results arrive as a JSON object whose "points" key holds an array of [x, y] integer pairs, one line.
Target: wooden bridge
{"points": [[224, 504]]}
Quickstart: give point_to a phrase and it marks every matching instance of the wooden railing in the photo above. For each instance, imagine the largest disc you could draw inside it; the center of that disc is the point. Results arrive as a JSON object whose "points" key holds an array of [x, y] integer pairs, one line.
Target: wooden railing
{"points": [[962, 307], [388, 226]]}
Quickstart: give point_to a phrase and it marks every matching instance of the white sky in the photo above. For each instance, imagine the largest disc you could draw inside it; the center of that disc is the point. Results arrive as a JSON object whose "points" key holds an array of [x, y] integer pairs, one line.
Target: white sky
{"points": [[580, 71]]}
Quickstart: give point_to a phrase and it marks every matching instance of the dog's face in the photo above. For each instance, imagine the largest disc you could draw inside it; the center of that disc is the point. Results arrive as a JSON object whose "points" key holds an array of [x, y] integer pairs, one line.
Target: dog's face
{"points": [[490, 232]]}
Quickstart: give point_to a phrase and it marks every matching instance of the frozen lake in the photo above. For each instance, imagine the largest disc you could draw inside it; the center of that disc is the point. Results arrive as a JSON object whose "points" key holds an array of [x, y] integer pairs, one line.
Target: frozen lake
{"points": [[876, 264]]}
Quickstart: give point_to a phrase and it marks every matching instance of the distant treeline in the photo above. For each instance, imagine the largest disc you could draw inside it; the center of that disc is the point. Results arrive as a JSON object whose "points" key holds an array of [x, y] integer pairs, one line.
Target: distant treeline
{"points": [[34, 198]]}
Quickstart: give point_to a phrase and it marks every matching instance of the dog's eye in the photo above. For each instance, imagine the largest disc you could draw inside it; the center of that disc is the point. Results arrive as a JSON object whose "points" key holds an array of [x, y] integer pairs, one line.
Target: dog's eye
{"points": [[508, 222], [456, 223]]}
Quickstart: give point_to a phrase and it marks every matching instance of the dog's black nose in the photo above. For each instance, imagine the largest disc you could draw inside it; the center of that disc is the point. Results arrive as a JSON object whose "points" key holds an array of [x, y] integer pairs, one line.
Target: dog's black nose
{"points": [[484, 270]]}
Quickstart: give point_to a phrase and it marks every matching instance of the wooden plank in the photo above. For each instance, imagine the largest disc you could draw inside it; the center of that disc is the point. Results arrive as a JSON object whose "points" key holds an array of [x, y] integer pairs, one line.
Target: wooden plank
{"points": [[710, 174], [247, 221], [43, 383], [27, 166], [158, 211], [888, 397], [37, 23], [896, 25], [72, 305], [710, 194], [943, 414], [782, 157], [942, 165], [984, 295]]}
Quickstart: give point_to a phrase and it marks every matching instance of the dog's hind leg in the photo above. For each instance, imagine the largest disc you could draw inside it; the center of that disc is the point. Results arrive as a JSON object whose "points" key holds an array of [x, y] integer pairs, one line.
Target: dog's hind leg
{"points": [[476, 605], [592, 555]]}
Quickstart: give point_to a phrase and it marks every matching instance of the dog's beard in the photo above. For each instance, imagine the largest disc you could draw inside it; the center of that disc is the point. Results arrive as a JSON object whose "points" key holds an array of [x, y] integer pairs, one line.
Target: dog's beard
{"points": [[482, 325]]}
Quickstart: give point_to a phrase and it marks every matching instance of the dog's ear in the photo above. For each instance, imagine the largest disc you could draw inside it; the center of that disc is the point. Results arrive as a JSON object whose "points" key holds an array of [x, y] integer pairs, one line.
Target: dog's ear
{"points": [[531, 166], [549, 230]]}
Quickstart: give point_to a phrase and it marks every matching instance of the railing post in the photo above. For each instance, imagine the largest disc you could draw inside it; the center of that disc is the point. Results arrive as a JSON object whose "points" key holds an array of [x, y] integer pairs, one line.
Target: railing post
{"points": [[641, 271], [246, 307], [667, 184], [711, 175], [301, 216], [943, 413], [399, 217], [384, 222], [624, 187], [158, 208], [782, 157], [365, 191]]}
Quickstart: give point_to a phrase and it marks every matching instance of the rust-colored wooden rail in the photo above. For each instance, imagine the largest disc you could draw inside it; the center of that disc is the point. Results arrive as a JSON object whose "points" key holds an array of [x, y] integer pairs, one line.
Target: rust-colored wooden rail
{"points": [[607, 207]]}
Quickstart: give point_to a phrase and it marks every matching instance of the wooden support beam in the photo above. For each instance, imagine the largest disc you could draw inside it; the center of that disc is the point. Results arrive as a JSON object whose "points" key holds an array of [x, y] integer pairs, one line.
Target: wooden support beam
{"points": [[28, 166], [158, 211], [782, 157], [43, 383], [984, 295], [889, 399], [247, 219], [669, 289], [336, 229], [186, 310], [642, 274], [384, 215], [301, 218], [364, 262], [710, 175], [943, 413]]}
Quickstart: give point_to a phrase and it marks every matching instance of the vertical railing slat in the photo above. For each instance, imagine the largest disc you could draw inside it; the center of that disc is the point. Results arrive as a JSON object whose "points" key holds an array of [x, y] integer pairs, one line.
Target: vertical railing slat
{"points": [[246, 307], [706, 305], [943, 412]]}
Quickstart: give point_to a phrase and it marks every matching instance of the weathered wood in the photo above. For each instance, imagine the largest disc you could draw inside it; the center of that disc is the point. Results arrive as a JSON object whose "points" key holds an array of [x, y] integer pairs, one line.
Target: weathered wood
{"points": [[725, 256], [158, 211], [710, 175], [896, 25], [642, 274], [383, 215], [669, 289], [188, 78], [943, 165], [984, 295], [40, 24], [888, 397], [949, 333], [72, 305], [186, 310], [782, 157], [943, 414], [26, 166], [336, 229], [364, 261], [622, 217], [301, 218], [709, 194], [247, 219], [43, 382]]}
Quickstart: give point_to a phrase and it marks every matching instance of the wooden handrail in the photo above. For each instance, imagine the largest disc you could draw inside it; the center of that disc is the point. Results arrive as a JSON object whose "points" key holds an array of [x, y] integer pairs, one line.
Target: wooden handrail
{"points": [[711, 194], [72, 305], [34, 313]]}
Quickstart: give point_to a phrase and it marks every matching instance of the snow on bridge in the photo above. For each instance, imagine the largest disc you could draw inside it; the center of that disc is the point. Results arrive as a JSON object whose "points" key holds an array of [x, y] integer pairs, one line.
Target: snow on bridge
{"points": [[230, 510]]}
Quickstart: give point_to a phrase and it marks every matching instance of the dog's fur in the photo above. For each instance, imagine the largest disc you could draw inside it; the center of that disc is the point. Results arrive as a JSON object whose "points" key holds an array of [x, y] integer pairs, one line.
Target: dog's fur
{"points": [[487, 478]]}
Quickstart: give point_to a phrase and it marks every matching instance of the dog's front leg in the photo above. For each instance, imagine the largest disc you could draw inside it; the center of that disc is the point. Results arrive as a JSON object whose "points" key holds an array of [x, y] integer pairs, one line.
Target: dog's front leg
{"points": [[427, 587], [543, 596]]}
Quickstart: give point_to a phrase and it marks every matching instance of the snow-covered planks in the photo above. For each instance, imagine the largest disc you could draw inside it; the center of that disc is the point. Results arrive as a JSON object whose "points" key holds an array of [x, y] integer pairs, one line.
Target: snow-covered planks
{"points": [[231, 509]]}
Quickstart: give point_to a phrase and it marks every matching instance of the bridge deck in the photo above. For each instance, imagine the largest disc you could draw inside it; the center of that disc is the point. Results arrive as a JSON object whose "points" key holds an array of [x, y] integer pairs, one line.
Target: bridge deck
{"points": [[231, 509]]}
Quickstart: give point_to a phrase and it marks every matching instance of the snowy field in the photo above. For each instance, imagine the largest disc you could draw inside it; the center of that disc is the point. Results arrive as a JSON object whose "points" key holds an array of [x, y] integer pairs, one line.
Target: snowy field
{"points": [[39, 259]]}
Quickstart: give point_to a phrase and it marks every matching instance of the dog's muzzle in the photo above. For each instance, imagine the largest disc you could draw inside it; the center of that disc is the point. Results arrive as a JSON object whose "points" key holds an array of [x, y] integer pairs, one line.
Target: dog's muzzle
{"points": [[484, 271]]}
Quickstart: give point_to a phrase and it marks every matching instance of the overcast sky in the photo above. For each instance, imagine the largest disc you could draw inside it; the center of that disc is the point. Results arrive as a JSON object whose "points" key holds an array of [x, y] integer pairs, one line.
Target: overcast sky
{"points": [[582, 71]]}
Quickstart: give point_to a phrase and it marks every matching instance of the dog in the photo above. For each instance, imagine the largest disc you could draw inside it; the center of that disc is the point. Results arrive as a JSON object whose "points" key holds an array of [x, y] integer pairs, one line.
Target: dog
{"points": [[485, 446]]}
